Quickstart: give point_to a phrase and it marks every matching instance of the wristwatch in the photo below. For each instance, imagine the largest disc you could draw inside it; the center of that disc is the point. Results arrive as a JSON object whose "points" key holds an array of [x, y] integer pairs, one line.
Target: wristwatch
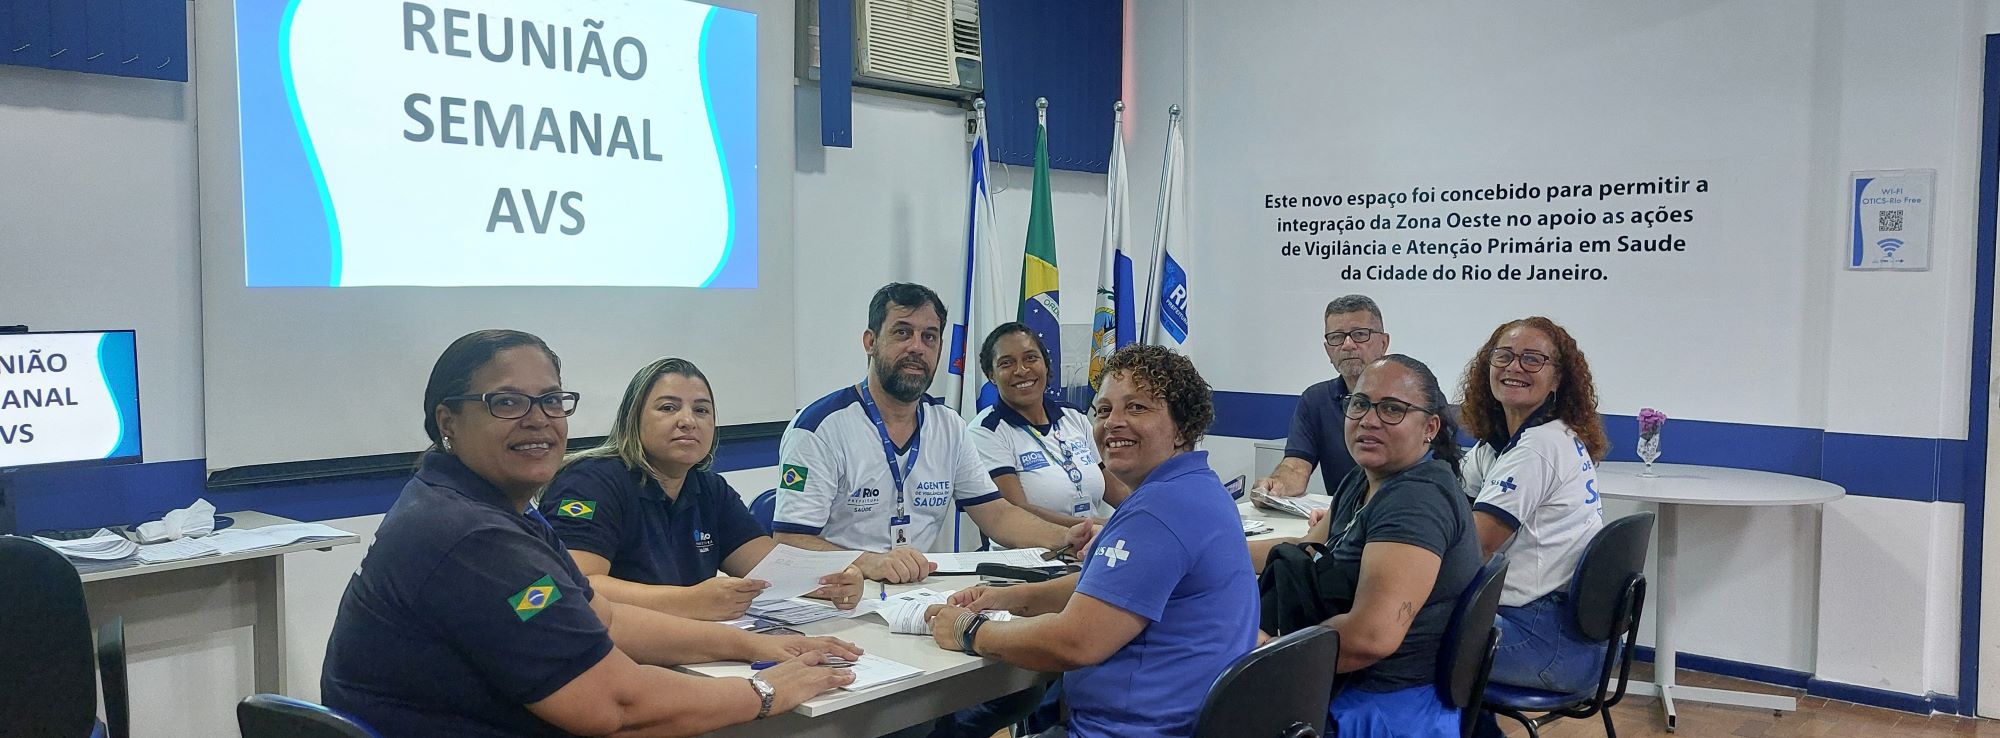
{"points": [[764, 693]]}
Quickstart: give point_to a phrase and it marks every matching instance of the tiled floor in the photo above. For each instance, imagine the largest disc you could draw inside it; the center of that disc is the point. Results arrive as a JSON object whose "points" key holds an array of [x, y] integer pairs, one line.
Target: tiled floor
{"points": [[1639, 717]]}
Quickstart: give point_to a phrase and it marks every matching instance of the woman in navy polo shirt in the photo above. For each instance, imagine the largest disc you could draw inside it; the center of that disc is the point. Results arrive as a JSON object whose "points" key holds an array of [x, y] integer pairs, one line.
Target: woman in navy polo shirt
{"points": [[467, 618], [650, 523], [1166, 599]]}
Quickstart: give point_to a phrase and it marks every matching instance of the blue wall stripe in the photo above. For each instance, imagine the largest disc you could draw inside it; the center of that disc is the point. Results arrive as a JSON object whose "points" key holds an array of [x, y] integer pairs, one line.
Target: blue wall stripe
{"points": [[1725, 667], [120, 495], [1887, 467], [1972, 565], [1920, 704]]}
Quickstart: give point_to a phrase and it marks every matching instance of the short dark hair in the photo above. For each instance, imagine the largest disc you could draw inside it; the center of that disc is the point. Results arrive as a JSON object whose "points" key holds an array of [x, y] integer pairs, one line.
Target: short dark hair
{"points": [[452, 375], [1002, 331], [1174, 378], [905, 294], [1354, 304]]}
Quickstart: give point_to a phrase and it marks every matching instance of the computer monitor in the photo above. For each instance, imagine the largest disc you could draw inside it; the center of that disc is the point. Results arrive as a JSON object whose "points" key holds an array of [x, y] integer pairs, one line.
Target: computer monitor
{"points": [[67, 398]]}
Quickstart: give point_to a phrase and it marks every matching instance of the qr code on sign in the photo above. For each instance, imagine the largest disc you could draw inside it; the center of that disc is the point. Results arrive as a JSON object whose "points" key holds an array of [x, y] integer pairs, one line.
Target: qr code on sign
{"points": [[1889, 220]]}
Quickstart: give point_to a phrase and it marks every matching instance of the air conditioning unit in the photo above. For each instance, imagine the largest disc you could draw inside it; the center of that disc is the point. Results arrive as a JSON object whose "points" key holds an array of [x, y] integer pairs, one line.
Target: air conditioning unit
{"points": [[925, 47]]}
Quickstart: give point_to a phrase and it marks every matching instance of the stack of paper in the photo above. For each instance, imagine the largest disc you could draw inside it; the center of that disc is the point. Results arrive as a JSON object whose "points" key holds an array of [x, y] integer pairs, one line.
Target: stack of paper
{"points": [[1301, 506], [874, 671], [102, 546], [968, 562], [792, 612], [905, 612], [238, 540], [176, 550]]}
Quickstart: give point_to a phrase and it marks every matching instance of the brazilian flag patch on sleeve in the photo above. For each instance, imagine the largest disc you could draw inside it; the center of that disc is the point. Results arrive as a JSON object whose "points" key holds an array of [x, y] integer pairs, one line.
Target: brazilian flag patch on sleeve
{"points": [[576, 509], [537, 597], [793, 478]]}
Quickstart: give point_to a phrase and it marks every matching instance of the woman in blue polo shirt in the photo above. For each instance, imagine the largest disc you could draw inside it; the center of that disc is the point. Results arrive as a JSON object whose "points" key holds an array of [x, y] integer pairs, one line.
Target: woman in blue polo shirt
{"points": [[647, 519], [467, 618], [1166, 600], [1037, 450]]}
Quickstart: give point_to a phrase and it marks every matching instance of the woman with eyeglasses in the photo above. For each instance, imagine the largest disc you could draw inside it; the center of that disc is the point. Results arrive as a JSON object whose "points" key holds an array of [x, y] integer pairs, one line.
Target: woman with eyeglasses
{"points": [[468, 618], [650, 522], [1531, 403], [1401, 531]]}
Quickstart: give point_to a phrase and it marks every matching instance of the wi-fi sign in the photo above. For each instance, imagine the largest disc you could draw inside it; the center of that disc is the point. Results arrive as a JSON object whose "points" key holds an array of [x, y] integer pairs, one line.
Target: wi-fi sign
{"points": [[1889, 246]]}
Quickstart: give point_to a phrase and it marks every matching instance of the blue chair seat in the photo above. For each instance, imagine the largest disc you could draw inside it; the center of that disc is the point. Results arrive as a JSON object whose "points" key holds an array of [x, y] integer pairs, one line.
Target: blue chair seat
{"points": [[1525, 698]]}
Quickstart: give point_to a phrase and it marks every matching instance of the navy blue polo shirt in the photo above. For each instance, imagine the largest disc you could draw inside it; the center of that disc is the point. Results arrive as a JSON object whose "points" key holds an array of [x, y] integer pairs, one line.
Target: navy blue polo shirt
{"points": [[1319, 432], [464, 611], [602, 507]]}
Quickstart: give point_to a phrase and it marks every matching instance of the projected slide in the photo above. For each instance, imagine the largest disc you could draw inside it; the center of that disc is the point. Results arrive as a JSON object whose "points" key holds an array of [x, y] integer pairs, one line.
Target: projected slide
{"points": [[497, 143], [68, 397]]}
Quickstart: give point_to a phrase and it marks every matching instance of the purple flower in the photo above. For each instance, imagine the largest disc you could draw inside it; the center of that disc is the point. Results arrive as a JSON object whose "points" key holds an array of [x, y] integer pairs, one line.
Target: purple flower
{"points": [[1650, 421]]}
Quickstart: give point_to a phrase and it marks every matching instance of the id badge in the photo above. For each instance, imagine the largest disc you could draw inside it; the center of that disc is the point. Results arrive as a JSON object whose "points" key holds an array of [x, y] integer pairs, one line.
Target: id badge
{"points": [[898, 521], [1081, 508]]}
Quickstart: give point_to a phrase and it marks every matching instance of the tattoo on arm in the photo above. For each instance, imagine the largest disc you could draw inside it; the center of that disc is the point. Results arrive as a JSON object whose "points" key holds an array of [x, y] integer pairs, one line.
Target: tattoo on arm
{"points": [[1406, 613]]}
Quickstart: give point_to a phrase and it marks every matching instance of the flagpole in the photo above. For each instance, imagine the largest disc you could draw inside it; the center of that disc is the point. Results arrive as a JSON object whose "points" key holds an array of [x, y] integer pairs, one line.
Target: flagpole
{"points": [[1151, 296]]}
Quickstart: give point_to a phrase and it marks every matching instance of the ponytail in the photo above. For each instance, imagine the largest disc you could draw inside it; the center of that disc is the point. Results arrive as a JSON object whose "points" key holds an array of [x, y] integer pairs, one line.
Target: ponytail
{"points": [[1444, 445]]}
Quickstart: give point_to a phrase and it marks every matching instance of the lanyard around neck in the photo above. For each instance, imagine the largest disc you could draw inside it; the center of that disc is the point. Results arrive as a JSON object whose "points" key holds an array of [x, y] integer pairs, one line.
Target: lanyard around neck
{"points": [[897, 474], [1060, 453]]}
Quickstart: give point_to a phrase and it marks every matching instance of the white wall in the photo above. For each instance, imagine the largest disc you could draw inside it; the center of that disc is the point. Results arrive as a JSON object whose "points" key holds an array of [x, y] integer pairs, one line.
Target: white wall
{"points": [[98, 229], [1780, 100]]}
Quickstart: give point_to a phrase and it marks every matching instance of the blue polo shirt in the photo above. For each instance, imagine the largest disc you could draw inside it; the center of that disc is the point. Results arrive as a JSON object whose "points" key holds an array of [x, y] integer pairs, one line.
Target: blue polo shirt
{"points": [[600, 506], [1174, 555], [1319, 432], [464, 610]]}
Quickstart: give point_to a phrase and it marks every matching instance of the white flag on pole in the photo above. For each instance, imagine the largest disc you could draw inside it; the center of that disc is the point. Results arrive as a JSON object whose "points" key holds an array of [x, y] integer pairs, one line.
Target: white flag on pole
{"points": [[979, 312], [1168, 318]]}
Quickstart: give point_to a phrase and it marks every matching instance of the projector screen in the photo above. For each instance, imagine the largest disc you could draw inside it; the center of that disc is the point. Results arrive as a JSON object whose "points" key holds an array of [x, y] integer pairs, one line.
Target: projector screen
{"points": [[69, 398], [379, 177]]}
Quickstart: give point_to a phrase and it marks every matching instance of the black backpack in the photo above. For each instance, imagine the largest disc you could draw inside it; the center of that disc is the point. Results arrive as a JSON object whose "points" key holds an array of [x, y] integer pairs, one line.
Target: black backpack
{"points": [[1301, 587]]}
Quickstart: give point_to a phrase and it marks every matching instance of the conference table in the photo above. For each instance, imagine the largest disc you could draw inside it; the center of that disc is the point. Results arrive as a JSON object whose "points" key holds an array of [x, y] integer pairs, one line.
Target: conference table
{"points": [[951, 681], [1680, 485]]}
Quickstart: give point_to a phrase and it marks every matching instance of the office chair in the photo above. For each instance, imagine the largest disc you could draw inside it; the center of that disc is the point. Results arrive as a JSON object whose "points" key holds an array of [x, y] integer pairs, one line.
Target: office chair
{"points": [[48, 625], [1608, 591], [278, 716], [1280, 690]]}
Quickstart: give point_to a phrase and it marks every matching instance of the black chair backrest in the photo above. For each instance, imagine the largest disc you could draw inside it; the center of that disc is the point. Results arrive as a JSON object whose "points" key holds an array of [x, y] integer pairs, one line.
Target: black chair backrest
{"points": [[111, 674], [278, 716], [1280, 689], [1464, 656], [1615, 555], [47, 625]]}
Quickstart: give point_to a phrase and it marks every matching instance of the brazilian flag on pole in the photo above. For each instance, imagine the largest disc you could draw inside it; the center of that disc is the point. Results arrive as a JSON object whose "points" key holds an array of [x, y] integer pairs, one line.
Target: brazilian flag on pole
{"points": [[1041, 306]]}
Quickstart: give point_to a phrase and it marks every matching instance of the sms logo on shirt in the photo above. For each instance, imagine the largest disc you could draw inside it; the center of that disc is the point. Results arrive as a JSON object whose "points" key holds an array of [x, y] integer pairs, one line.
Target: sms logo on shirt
{"points": [[1032, 460], [864, 499]]}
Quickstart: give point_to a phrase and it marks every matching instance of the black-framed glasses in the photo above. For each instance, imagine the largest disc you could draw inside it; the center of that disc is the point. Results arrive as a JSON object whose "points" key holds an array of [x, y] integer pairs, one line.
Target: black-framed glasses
{"points": [[1360, 336], [1391, 411], [1531, 361], [515, 405]]}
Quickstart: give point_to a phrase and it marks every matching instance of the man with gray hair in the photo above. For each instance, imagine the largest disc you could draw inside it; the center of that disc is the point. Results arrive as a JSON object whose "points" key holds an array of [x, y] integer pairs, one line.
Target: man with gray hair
{"points": [[1354, 337]]}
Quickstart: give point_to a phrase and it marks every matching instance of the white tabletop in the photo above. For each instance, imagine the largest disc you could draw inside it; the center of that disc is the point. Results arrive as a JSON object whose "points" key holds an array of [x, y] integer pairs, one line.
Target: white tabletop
{"points": [[1687, 484], [873, 636]]}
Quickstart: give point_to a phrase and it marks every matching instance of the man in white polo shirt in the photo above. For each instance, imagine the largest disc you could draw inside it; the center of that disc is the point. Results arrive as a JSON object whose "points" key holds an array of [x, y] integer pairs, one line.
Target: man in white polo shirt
{"points": [[878, 467]]}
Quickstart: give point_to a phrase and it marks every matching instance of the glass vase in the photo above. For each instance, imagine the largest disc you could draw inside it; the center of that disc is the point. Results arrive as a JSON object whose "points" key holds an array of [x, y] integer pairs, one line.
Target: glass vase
{"points": [[1649, 449]]}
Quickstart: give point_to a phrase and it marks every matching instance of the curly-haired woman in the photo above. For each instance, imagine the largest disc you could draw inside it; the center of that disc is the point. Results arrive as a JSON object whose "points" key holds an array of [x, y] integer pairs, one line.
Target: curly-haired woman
{"points": [[1165, 601], [1530, 402]]}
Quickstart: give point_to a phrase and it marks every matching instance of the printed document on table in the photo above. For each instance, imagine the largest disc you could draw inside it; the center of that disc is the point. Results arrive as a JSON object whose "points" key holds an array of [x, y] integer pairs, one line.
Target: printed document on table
{"points": [[794, 571], [874, 671]]}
